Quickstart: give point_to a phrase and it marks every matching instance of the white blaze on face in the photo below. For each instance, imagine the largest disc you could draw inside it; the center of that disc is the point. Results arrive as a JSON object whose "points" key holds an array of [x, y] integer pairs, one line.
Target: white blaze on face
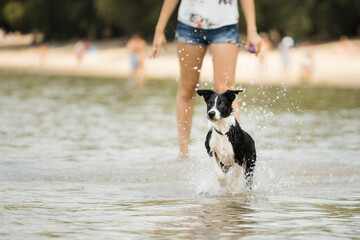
{"points": [[214, 108]]}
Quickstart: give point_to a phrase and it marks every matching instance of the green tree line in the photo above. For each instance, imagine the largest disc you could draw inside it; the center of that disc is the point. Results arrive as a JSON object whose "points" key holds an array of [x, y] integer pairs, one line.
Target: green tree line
{"points": [[318, 20]]}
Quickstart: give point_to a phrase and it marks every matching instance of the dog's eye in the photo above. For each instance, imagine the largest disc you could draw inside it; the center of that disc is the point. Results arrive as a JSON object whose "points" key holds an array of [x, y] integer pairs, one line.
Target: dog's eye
{"points": [[222, 105]]}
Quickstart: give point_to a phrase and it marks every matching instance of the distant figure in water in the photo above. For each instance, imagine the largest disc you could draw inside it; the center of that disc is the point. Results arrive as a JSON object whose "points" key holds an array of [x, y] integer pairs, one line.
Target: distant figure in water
{"points": [[137, 49], [81, 47], [266, 46], [43, 50]]}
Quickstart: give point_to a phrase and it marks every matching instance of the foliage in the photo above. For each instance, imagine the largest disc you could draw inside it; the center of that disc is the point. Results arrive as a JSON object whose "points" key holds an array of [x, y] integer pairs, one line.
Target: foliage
{"points": [[14, 13], [131, 16], [63, 19]]}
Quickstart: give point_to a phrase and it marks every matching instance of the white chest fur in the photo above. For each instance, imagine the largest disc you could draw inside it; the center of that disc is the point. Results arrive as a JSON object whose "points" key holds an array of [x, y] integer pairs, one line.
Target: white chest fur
{"points": [[220, 144]]}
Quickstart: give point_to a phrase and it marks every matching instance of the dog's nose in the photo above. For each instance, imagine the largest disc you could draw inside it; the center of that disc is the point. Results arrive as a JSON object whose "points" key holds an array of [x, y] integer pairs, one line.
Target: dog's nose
{"points": [[211, 114]]}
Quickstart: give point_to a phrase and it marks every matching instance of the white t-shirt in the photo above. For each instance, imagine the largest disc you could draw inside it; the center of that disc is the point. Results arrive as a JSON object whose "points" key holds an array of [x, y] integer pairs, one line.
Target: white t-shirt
{"points": [[208, 14]]}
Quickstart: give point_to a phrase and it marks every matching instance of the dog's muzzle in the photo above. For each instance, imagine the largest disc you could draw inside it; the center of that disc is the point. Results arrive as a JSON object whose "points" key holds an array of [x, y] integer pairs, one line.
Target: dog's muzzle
{"points": [[211, 115]]}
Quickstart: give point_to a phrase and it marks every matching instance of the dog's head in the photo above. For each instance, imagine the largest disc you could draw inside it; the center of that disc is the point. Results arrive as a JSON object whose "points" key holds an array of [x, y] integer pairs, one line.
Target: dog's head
{"points": [[219, 105]]}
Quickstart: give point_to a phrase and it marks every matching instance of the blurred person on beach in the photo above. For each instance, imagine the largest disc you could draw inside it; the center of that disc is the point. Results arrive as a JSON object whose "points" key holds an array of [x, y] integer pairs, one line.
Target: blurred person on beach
{"points": [[43, 50], [204, 25], [306, 67], [81, 47], [285, 45], [306, 63], [137, 49], [346, 47], [2, 34], [266, 46], [36, 39]]}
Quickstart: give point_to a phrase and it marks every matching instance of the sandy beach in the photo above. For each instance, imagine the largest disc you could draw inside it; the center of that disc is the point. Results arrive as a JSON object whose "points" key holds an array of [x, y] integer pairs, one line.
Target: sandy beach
{"points": [[110, 59]]}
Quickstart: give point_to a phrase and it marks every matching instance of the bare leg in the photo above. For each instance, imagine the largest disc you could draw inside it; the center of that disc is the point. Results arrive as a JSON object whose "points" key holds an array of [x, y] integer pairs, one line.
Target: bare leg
{"points": [[141, 73], [224, 60], [135, 72], [190, 58]]}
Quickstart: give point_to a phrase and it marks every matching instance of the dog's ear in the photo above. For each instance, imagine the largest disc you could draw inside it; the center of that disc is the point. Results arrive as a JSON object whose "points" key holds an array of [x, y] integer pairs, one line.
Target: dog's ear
{"points": [[206, 93], [231, 94]]}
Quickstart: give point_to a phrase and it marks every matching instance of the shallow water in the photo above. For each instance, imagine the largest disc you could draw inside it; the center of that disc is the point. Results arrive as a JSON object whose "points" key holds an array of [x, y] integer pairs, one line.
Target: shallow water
{"points": [[90, 158]]}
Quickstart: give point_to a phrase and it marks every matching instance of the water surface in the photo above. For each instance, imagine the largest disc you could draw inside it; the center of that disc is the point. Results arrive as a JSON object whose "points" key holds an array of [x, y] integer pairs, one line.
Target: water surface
{"points": [[92, 158]]}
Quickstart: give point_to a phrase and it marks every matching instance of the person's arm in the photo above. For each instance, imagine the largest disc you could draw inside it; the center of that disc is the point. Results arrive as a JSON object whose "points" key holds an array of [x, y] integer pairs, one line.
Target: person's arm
{"points": [[253, 37], [159, 37]]}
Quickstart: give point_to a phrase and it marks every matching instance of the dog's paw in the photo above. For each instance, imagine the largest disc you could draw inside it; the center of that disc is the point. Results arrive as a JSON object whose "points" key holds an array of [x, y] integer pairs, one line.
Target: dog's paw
{"points": [[248, 188], [230, 191], [249, 184], [232, 187], [222, 181]]}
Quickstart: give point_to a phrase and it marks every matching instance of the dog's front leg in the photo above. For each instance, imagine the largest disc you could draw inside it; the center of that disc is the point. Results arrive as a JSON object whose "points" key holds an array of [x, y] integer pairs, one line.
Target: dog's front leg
{"points": [[249, 171], [234, 177], [219, 173]]}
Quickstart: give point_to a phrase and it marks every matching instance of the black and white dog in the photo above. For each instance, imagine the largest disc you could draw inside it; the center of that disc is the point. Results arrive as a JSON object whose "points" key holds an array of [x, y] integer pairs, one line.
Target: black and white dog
{"points": [[226, 143]]}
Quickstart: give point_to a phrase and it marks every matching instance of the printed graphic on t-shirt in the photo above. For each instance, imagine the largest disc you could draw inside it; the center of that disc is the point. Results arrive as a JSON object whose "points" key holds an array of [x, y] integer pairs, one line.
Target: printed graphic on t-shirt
{"points": [[208, 14], [199, 20]]}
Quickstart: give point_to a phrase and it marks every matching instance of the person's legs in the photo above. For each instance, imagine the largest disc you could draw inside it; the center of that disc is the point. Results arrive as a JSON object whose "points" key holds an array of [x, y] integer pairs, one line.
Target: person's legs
{"points": [[224, 57], [134, 62], [141, 71], [190, 58]]}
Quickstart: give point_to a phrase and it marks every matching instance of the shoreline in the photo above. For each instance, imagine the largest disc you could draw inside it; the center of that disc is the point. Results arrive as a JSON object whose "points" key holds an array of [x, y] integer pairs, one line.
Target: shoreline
{"points": [[110, 59]]}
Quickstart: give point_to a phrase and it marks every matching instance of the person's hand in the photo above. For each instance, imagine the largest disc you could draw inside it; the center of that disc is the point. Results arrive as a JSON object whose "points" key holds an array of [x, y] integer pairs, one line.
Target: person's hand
{"points": [[159, 41], [254, 39]]}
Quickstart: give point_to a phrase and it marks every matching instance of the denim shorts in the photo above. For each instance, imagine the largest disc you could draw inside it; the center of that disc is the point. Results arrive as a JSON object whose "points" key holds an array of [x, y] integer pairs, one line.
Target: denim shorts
{"points": [[190, 35]]}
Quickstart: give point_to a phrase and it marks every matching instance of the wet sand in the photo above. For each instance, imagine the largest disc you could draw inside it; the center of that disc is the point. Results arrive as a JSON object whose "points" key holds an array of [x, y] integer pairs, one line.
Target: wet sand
{"points": [[110, 59]]}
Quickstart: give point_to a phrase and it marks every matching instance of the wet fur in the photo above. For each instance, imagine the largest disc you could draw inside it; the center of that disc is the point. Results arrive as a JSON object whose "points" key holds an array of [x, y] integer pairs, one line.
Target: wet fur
{"points": [[226, 143]]}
